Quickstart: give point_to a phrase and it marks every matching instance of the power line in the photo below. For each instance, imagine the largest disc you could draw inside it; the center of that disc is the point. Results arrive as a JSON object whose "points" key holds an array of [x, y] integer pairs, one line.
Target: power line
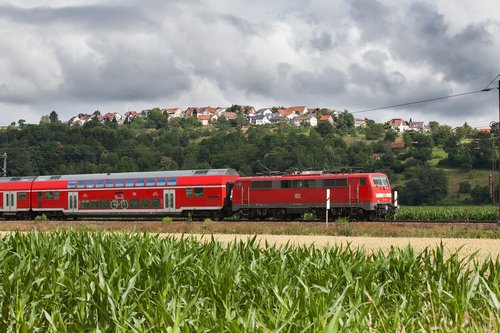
{"points": [[425, 100]]}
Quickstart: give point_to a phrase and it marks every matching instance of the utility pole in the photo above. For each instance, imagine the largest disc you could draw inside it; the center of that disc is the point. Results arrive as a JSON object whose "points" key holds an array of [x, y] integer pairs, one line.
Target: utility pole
{"points": [[4, 169], [498, 198]]}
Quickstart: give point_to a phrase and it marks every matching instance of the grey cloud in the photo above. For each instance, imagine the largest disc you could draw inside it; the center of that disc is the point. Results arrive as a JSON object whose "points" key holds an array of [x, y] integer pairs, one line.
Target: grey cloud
{"points": [[322, 42], [91, 16]]}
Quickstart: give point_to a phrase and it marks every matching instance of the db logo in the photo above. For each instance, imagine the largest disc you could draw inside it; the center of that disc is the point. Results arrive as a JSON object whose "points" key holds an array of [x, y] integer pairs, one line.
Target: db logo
{"points": [[297, 195]]}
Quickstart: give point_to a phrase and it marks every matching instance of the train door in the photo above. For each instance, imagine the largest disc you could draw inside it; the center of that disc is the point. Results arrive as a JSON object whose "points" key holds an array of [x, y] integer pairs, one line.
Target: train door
{"points": [[72, 202], [354, 190], [169, 200], [9, 202]]}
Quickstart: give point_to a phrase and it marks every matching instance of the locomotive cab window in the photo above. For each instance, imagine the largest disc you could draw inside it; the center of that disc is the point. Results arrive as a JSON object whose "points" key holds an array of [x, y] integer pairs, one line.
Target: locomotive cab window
{"points": [[380, 181]]}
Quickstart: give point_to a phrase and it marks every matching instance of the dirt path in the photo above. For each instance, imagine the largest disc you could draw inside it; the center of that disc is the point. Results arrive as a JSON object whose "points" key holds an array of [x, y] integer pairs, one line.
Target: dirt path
{"points": [[484, 247]]}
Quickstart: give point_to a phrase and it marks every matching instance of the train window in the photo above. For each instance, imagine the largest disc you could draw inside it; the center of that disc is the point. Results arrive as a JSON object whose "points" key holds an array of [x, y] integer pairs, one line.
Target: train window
{"points": [[362, 181], [94, 204], [80, 184], [380, 181], [129, 183], [84, 204], [104, 203], [145, 203], [110, 182], [265, 184], [335, 182], [198, 192], [72, 184], [40, 196], [48, 195], [286, 184], [150, 182], [21, 195], [309, 183], [156, 203], [298, 183], [120, 182], [172, 181], [90, 183], [56, 196], [161, 181], [134, 203], [189, 192], [140, 182], [99, 183]]}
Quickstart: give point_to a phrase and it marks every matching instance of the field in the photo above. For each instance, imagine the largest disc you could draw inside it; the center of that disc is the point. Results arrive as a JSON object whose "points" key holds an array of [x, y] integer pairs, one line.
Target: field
{"points": [[81, 281], [447, 213]]}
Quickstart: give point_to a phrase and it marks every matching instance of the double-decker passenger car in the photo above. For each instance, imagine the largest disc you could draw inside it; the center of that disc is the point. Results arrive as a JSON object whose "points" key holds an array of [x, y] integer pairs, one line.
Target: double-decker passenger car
{"points": [[359, 195], [198, 193]]}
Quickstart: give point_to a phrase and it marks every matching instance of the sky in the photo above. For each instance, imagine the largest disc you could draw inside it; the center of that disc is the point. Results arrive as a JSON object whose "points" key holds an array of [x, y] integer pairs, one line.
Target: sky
{"points": [[79, 56]]}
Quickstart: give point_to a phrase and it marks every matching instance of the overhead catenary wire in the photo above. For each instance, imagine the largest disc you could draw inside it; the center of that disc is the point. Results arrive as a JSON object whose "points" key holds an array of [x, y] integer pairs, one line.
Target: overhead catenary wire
{"points": [[423, 101]]}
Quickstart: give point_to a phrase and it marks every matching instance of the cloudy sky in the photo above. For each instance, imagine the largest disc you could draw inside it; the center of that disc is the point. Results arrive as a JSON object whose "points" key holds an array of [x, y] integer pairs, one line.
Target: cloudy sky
{"points": [[76, 56]]}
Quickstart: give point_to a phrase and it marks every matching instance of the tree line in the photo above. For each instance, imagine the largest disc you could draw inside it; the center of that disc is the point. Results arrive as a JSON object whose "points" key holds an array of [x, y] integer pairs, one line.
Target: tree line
{"points": [[155, 143]]}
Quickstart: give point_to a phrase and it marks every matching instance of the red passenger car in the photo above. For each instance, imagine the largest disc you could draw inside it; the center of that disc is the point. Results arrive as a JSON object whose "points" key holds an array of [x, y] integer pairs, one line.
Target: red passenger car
{"points": [[363, 195], [15, 196], [197, 193]]}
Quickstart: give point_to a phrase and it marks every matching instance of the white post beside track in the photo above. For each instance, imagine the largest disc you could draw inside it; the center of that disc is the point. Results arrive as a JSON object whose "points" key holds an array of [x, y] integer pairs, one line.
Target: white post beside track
{"points": [[395, 198], [327, 204]]}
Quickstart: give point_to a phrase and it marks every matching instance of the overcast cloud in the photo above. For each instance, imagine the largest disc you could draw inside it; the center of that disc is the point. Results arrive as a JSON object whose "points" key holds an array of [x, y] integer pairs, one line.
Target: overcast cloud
{"points": [[114, 56]]}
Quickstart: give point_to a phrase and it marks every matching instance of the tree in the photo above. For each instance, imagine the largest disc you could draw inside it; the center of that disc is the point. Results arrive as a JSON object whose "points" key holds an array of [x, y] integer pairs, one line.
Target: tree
{"points": [[53, 117], [427, 186], [345, 121]]}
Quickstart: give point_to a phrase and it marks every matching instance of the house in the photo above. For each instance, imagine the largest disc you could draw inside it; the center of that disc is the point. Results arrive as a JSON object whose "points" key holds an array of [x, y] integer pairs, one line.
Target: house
{"points": [[172, 112], [327, 118], [130, 115], [297, 109], [418, 126], [229, 115], [399, 125], [276, 118], [113, 116], [359, 123], [204, 120], [398, 145], [301, 120], [260, 120]]}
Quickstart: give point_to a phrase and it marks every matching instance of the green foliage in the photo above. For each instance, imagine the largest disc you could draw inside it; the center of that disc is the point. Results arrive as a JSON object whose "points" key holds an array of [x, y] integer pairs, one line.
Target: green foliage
{"points": [[167, 219], [88, 282], [424, 186], [41, 218], [447, 213]]}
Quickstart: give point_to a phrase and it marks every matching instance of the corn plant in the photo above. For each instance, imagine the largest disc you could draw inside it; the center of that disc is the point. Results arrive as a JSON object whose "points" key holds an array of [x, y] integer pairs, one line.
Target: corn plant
{"points": [[90, 282], [447, 213]]}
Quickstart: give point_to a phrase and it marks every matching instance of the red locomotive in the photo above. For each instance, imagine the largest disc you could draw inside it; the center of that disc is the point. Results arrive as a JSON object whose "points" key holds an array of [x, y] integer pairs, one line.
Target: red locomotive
{"points": [[360, 195], [214, 193]]}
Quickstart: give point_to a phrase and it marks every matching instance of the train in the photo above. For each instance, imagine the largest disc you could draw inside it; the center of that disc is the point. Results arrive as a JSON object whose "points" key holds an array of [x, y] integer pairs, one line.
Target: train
{"points": [[197, 194]]}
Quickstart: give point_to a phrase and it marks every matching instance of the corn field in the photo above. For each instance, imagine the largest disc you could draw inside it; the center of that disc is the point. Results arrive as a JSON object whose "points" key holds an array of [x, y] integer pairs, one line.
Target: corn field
{"points": [[92, 282], [447, 213]]}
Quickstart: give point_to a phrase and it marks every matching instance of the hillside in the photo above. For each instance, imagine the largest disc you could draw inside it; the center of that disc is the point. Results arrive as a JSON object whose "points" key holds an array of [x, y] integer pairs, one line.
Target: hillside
{"points": [[426, 168]]}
